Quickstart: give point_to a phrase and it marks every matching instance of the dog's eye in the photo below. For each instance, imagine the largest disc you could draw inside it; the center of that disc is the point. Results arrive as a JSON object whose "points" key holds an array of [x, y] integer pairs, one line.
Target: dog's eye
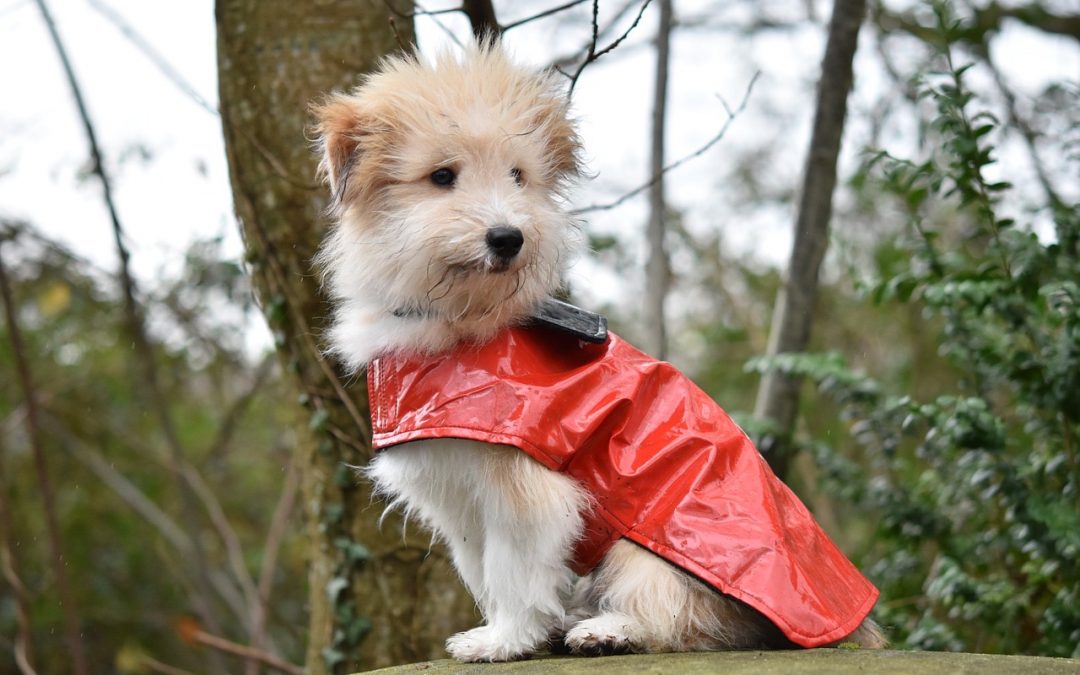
{"points": [[518, 178], [444, 177]]}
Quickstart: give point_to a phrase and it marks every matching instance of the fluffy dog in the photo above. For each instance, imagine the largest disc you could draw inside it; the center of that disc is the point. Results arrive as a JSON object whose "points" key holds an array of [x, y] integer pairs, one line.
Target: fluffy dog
{"points": [[448, 182]]}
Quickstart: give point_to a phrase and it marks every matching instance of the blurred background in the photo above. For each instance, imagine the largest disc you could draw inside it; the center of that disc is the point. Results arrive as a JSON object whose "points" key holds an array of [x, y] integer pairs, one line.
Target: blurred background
{"points": [[158, 503]]}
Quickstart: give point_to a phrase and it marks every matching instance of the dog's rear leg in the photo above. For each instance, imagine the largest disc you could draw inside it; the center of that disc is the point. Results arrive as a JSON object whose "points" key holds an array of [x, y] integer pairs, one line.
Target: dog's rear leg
{"points": [[644, 604], [531, 518]]}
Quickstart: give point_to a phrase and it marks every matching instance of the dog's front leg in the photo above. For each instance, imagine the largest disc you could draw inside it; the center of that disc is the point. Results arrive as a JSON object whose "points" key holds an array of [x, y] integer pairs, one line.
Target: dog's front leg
{"points": [[531, 518]]}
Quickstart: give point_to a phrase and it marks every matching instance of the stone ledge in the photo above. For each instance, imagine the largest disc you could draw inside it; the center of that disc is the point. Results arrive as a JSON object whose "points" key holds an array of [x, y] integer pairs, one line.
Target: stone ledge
{"points": [[809, 662]]}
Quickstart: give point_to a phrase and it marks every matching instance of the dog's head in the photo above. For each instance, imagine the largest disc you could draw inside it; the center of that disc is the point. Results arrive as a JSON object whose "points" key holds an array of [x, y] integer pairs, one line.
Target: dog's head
{"points": [[448, 182]]}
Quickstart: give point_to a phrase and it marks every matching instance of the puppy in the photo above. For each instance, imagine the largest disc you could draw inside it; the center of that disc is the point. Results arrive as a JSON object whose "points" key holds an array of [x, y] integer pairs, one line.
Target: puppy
{"points": [[448, 183]]}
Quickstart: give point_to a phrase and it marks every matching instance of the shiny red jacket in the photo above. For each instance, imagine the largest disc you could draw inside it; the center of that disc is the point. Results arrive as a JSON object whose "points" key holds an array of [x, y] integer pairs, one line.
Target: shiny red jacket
{"points": [[668, 469]]}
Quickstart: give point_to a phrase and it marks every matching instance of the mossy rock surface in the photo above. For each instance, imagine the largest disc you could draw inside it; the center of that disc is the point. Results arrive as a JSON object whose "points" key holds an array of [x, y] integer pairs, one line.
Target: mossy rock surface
{"points": [[810, 662]]}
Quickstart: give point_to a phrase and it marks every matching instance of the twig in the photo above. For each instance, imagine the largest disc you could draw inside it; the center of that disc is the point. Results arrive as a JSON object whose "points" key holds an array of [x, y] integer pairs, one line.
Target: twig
{"points": [[143, 505], [136, 327], [230, 647], [127, 491], [144, 46], [542, 15], [188, 320], [398, 38], [442, 26], [233, 550], [33, 429], [164, 668], [1024, 129], [565, 61], [278, 522], [9, 566], [593, 55], [170, 73], [731, 115], [422, 12], [239, 407]]}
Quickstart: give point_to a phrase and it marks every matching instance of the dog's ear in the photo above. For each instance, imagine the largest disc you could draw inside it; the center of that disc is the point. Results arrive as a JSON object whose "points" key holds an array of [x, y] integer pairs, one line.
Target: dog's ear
{"points": [[562, 140], [339, 128]]}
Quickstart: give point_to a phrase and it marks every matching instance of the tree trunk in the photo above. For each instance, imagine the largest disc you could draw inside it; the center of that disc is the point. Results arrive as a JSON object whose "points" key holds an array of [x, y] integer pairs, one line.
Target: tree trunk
{"points": [[657, 268], [793, 315], [376, 598]]}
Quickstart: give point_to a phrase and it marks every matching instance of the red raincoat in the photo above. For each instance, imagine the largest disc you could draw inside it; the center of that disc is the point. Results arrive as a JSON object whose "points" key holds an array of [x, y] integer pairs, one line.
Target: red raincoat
{"points": [[667, 467]]}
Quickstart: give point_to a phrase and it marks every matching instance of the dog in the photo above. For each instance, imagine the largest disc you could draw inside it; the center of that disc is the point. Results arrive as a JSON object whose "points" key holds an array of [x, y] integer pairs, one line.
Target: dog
{"points": [[448, 182]]}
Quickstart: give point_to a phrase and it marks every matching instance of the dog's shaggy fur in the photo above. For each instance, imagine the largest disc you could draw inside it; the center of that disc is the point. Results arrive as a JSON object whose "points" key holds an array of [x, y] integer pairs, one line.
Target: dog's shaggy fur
{"points": [[424, 163]]}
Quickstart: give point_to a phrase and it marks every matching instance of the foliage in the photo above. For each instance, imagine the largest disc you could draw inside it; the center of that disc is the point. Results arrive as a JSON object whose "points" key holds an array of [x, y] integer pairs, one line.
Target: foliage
{"points": [[126, 540], [976, 492]]}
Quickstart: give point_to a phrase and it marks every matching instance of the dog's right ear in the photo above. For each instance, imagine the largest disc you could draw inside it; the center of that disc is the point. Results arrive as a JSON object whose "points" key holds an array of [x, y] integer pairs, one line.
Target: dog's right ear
{"points": [[339, 128]]}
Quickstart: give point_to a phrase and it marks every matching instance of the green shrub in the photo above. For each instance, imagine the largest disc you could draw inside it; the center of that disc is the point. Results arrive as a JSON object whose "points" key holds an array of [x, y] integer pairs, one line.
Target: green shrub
{"points": [[974, 495]]}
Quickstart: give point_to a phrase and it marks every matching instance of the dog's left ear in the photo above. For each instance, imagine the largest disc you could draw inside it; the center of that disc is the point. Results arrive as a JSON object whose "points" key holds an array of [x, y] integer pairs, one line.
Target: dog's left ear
{"points": [[563, 142], [339, 128]]}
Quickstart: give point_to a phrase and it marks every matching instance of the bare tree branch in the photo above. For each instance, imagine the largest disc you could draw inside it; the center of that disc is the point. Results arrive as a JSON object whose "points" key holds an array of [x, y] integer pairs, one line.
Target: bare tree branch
{"points": [[125, 489], [593, 53], [33, 428], [1022, 127], [235, 413], [983, 20], [233, 550], [141, 504], [731, 115], [44, 485], [442, 26], [421, 12], [163, 668], [171, 74], [215, 511], [9, 566], [155, 57], [275, 534], [561, 63], [481, 15], [145, 507], [544, 14], [136, 327], [230, 647], [757, 24]]}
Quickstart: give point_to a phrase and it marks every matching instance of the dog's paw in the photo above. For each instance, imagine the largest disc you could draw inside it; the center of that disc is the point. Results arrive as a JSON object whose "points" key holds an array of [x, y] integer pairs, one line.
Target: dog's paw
{"points": [[486, 644], [602, 635], [556, 643]]}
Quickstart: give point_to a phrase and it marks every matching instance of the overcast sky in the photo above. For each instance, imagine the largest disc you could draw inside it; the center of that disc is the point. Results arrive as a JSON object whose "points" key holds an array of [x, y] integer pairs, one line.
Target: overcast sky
{"points": [[166, 155]]}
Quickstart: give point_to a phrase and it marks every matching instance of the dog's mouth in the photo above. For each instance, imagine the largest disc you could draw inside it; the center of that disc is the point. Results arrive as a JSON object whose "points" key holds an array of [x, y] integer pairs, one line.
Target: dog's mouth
{"points": [[499, 266], [492, 265]]}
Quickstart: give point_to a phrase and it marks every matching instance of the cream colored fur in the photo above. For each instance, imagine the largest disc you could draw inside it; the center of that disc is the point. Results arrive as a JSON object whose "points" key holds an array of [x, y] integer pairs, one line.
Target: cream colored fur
{"points": [[409, 269]]}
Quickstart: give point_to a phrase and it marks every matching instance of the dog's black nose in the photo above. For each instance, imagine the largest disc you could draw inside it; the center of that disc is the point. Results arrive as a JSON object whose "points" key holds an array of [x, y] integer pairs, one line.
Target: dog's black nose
{"points": [[504, 241]]}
